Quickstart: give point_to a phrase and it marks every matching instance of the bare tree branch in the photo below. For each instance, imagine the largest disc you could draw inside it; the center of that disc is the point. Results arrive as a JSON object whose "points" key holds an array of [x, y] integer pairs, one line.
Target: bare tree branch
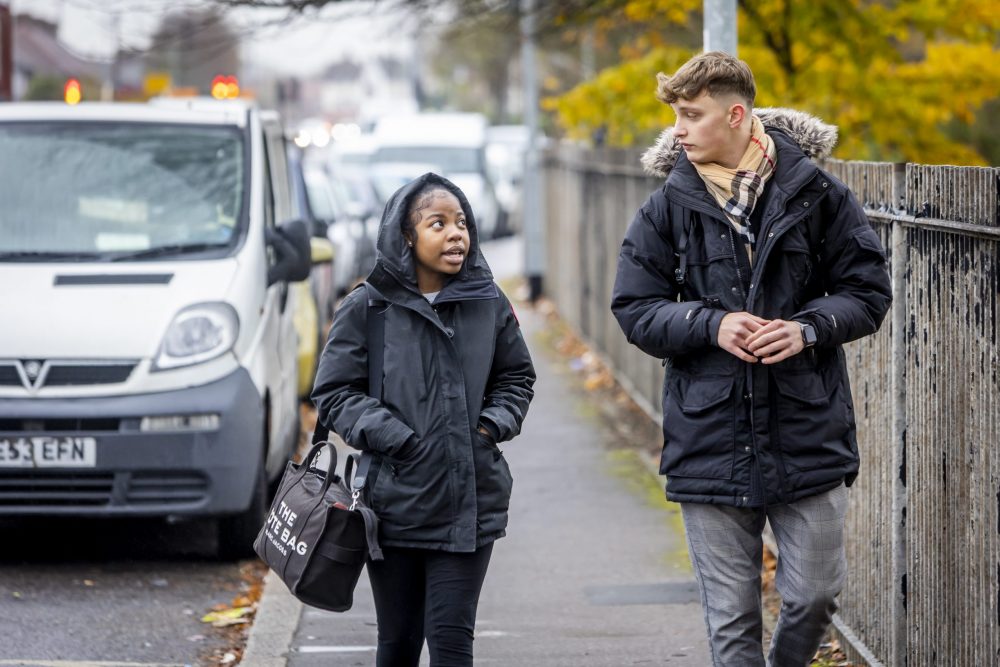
{"points": [[293, 5]]}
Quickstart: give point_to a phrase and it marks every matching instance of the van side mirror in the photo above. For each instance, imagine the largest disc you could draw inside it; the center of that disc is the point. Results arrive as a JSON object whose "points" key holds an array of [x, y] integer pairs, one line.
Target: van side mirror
{"points": [[321, 250], [292, 252]]}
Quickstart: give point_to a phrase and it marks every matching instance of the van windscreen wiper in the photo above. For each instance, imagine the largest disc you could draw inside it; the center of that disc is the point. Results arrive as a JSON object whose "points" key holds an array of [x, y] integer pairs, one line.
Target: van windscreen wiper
{"points": [[42, 255], [166, 251]]}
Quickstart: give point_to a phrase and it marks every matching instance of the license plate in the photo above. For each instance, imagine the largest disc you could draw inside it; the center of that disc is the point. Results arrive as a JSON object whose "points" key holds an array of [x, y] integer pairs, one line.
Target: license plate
{"points": [[48, 451]]}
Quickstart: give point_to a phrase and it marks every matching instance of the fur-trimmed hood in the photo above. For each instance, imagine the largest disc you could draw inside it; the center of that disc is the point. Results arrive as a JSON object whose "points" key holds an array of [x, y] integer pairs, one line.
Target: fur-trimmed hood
{"points": [[814, 137]]}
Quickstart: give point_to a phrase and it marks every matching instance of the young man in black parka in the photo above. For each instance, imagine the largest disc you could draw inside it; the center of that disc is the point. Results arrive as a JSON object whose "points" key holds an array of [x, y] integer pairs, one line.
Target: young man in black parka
{"points": [[746, 272]]}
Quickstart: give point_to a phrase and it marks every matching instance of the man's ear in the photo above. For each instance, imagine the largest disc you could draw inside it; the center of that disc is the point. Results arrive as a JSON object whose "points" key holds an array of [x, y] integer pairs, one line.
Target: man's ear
{"points": [[737, 114]]}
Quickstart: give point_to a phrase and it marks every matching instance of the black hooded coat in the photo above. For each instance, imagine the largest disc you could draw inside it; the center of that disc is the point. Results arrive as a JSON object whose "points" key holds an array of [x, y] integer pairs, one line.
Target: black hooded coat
{"points": [[737, 433], [436, 482]]}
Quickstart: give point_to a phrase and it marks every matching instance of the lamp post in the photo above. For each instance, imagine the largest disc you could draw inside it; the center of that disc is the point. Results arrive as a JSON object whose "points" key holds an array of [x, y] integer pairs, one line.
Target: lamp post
{"points": [[534, 193], [720, 26], [6, 53]]}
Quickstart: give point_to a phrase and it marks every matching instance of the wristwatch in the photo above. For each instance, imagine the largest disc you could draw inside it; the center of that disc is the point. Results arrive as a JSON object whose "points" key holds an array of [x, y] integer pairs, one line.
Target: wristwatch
{"points": [[808, 334]]}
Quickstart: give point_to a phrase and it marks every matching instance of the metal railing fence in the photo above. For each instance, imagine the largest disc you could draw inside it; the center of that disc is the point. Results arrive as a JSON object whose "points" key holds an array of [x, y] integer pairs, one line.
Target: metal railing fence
{"points": [[924, 520]]}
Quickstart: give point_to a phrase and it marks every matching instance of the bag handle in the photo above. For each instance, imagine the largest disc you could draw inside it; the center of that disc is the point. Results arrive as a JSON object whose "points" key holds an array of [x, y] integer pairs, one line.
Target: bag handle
{"points": [[330, 468]]}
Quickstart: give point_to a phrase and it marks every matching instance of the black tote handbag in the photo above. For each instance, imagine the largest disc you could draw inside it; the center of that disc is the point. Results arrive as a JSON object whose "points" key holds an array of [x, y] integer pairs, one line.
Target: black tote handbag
{"points": [[318, 535]]}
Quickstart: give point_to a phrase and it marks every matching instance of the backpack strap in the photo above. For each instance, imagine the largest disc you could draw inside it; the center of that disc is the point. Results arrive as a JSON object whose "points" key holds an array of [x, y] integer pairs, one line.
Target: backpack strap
{"points": [[376, 360], [677, 212], [367, 514], [375, 335], [376, 340]]}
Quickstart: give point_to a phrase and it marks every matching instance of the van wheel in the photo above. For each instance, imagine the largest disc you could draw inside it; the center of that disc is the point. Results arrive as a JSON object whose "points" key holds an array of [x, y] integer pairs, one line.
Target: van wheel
{"points": [[237, 533]]}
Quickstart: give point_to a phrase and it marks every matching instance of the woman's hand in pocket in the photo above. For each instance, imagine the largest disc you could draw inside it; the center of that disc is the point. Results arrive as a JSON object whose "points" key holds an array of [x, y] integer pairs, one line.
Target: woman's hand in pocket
{"points": [[487, 433], [408, 450]]}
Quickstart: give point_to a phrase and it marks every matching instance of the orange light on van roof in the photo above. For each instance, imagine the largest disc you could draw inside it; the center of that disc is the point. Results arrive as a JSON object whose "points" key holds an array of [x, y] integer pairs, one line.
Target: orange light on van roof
{"points": [[72, 93], [225, 87]]}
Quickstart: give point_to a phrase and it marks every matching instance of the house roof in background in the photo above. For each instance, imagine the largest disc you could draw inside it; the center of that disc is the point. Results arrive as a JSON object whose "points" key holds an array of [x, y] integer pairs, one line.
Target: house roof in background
{"points": [[37, 50]]}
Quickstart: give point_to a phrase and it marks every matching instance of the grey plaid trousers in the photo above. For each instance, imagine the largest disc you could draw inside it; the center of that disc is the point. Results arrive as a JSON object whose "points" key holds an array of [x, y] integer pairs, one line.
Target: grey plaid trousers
{"points": [[725, 546]]}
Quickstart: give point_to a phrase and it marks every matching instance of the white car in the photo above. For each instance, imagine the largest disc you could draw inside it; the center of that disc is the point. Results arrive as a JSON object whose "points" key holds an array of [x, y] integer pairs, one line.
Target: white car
{"points": [[454, 141], [350, 225], [148, 365], [506, 148]]}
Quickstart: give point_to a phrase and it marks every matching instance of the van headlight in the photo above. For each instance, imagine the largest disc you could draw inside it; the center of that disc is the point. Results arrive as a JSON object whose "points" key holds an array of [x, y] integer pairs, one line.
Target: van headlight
{"points": [[198, 333]]}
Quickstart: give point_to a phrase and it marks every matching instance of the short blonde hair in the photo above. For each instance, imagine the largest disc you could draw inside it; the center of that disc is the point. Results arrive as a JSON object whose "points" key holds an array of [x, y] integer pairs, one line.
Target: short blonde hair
{"points": [[716, 72]]}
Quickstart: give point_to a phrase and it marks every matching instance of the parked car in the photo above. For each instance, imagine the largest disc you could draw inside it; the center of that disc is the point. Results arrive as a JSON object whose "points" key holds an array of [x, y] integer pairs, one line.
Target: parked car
{"points": [[388, 177], [454, 141], [151, 368], [506, 147], [351, 212], [317, 296], [352, 153]]}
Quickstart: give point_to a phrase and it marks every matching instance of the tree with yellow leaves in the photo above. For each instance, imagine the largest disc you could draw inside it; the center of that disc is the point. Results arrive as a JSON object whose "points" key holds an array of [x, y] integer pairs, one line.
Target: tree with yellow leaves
{"points": [[895, 76]]}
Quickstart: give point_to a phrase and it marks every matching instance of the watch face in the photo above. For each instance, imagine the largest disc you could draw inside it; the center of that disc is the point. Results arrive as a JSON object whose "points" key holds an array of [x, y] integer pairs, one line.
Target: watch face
{"points": [[808, 334]]}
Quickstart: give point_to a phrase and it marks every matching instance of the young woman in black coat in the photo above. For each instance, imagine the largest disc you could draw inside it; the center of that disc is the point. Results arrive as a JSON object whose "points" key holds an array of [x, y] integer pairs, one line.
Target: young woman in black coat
{"points": [[457, 381]]}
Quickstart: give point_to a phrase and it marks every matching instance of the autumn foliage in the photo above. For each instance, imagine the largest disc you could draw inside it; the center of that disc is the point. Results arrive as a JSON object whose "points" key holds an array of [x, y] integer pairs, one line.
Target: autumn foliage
{"points": [[893, 75]]}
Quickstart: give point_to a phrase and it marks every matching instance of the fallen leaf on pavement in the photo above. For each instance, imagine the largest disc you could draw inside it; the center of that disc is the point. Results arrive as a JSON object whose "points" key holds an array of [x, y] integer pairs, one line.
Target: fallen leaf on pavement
{"points": [[232, 616]]}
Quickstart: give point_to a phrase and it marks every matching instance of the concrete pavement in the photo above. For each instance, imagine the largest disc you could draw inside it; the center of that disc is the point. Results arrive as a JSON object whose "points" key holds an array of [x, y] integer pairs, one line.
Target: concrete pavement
{"points": [[593, 571]]}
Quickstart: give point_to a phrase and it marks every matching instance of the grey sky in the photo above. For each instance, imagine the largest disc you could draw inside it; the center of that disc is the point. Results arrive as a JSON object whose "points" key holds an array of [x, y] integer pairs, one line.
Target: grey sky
{"points": [[303, 47]]}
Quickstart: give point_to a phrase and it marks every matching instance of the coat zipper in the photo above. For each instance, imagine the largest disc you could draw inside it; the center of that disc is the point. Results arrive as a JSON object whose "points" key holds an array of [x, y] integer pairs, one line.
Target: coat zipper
{"points": [[755, 459], [755, 473], [761, 260], [736, 259]]}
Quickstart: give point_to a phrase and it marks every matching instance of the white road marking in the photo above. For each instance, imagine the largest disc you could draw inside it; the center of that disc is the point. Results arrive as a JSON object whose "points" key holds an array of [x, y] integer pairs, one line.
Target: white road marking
{"points": [[334, 649]]}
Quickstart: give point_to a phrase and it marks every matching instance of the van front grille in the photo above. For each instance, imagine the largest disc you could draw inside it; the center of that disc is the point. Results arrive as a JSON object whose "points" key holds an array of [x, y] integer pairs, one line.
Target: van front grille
{"points": [[51, 489], [33, 374], [47, 425], [9, 376], [43, 488], [166, 488], [83, 374]]}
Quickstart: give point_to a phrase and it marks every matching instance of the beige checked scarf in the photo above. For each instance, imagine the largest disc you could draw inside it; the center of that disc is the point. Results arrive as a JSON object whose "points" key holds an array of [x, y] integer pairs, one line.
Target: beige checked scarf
{"points": [[737, 190]]}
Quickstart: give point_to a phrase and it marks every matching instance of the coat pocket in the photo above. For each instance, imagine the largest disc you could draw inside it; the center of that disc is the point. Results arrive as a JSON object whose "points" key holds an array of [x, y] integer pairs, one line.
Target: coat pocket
{"points": [[413, 494], [869, 241], [812, 423], [794, 270], [698, 427], [494, 484]]}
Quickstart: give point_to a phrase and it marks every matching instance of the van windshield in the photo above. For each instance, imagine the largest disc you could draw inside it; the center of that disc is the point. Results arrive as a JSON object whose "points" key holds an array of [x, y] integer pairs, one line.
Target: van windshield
{"points": [[451, 159], [118, 191]]}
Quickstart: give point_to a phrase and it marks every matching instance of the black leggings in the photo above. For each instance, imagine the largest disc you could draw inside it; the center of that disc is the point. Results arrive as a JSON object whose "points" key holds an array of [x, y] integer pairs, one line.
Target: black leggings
{"points": [[418, 593]]}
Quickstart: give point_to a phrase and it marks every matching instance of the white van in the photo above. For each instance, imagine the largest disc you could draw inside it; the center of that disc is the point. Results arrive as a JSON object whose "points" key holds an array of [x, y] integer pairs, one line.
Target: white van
{"points": [[454, 141], [148, 353], [506, 151]]}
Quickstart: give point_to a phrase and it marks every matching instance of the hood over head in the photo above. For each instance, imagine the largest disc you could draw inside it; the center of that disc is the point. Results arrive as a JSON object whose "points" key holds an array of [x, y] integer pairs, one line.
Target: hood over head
{"points": [[813, 136], [395, 258]]}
